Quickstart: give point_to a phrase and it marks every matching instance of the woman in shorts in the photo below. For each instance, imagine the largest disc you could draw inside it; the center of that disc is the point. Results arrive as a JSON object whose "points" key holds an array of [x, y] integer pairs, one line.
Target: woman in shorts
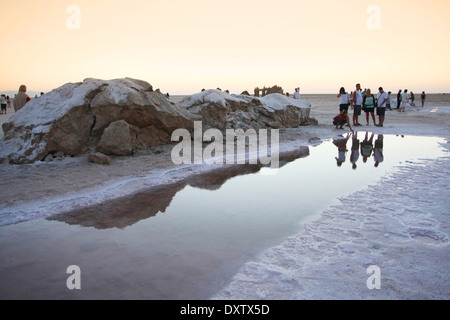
{"points": [[369, 106]]}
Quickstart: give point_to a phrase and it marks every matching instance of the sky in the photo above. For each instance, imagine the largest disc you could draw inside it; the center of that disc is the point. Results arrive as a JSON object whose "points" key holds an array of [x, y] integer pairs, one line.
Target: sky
{"points": [[183, 46]]}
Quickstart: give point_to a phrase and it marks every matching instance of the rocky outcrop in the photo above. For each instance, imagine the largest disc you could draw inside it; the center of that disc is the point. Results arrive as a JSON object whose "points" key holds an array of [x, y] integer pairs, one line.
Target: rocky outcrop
{"points": [[74, 118], [122, 116], [221, 110]]}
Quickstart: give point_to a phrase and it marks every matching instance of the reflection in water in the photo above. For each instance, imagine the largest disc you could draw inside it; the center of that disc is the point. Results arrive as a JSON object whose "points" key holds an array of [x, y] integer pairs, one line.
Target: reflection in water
{"points": [[126, 211], [367, 148]]}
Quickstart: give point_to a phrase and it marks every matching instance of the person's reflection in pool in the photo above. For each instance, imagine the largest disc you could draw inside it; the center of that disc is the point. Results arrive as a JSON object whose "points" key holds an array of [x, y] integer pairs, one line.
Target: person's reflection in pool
{"points": [[342, 149], [354, 156], [367, 147], [378, 151]]}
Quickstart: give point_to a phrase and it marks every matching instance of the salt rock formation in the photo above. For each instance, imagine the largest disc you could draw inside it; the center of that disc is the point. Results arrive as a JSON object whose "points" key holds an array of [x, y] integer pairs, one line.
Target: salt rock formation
{"points": [[73, 119], [121, 116], [221, 110]]}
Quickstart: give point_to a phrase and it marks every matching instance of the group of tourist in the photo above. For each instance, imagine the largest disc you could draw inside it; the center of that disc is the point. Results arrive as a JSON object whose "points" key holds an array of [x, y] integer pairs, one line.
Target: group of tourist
{"points": [[359, 101]]}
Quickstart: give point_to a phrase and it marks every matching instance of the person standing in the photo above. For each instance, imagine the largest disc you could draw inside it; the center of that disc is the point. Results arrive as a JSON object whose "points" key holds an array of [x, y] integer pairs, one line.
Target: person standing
{"points": [[388, 103], [423, 96], [8, 102], [297, 93], [382, 100], [357, 105], [404, 100], [369, 106], [21, 98], [3, 104], [399, 99], [345, 101]]}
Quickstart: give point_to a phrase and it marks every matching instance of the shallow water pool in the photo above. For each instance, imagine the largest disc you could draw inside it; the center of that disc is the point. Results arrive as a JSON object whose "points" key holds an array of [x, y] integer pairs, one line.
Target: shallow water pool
{"points": [[186, 240]]}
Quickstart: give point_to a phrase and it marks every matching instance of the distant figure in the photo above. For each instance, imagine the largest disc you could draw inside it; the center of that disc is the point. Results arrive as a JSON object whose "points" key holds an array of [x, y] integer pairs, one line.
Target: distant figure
{"points": [[357, 104], [287, 94], [8, 102], [3, 104], [354, 156], [367, 147], [21, 98], [378, 150], [297, 93], [369, 106], [382, 99], [345, 101], [399, 99], [423, 96], [388, 103], [42, 94], [404, 100], [412, 99]]}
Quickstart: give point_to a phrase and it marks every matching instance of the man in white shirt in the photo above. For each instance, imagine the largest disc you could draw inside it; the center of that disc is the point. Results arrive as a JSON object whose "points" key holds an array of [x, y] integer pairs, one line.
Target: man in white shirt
{"points": [[382, 99], [357, 105], [297, 93]]}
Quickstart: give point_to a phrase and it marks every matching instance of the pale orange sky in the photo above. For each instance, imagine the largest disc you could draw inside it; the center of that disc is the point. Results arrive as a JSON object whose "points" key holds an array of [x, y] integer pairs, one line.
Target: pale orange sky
{"points": [[182, 46]]}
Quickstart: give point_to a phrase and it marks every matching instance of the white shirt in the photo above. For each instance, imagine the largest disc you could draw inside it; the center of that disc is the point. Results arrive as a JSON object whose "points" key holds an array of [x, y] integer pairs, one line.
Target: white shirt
{"points": [[359, 98], [405, 96], [344, 98], [296, 95], [2, 100], [381, 97]]}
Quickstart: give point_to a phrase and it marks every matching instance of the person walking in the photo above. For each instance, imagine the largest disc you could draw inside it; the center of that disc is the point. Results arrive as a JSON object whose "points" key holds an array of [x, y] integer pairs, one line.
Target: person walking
{"points": [[21, 98], [357, 104], [382, 100], [369, 106]]}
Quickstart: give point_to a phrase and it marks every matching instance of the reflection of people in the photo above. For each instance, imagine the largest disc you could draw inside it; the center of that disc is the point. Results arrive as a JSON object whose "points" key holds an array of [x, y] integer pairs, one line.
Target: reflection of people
{"points": [[342, 149], [354, 156], [367, 147], [21, 98], [378, 151]]}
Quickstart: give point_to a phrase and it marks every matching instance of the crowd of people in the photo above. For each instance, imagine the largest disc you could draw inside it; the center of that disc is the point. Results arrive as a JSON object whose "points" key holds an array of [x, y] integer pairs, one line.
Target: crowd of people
{"points": [[366, 101]]}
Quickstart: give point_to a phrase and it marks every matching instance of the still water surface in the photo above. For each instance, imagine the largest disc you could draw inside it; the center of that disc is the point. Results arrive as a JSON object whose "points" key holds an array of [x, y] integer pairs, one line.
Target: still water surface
{"points": [[185, 241]]}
